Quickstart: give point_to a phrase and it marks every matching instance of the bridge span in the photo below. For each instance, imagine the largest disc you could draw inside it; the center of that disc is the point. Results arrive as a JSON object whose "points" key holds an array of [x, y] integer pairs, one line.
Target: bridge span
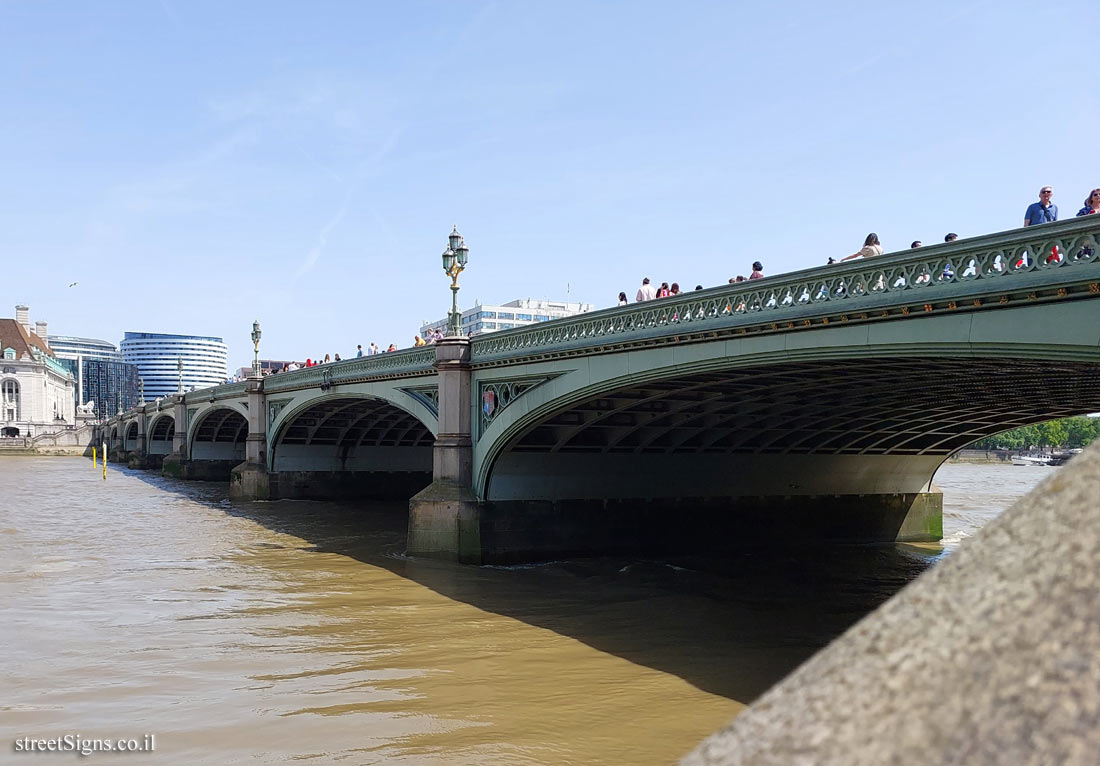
{"points": [[816, 404]]}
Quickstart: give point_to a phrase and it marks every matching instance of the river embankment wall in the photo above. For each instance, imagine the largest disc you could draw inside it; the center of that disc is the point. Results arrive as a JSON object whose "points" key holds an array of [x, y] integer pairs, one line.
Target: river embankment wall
{"points": [[990, 657], [68, 442], [983, 456]]}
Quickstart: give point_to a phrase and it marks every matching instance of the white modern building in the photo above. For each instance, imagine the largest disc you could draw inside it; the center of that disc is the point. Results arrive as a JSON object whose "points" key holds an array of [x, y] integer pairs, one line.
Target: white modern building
{"points": [[517, 313], [159, 356], [72, 347], [36, 391]]}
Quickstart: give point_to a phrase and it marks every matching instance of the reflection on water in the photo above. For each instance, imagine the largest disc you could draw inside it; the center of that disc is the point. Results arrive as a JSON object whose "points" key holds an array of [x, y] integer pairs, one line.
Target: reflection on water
{"points": [[261, 632]]}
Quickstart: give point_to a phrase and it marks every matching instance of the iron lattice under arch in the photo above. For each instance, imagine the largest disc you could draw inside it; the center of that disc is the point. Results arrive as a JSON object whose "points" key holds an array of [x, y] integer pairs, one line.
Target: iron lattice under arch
{"points": [[902, 406], [355, 422], [222, 425], [164, 428]]}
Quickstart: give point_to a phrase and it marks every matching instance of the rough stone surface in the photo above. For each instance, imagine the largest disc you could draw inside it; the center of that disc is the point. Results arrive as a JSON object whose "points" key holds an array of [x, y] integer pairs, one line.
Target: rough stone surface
{"points": [[991, 657]]}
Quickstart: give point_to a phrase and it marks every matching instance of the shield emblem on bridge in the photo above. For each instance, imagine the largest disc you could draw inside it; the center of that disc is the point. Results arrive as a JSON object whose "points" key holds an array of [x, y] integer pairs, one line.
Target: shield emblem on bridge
{"points": [[489, 403]]}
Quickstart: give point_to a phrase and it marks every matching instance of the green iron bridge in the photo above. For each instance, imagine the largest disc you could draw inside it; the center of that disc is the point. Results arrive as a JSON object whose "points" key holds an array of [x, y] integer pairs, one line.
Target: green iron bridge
{"points": [[816, 404]]}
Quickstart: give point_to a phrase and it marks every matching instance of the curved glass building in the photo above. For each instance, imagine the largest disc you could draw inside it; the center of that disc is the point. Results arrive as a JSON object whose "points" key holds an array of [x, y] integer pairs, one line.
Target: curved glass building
{"points": [[156, 355]]}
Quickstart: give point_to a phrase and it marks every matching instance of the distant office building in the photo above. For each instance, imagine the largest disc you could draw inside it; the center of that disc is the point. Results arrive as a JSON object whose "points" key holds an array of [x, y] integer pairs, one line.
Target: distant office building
{"points": [[102, 377], [156, 355], [36, 391], [517, 313], [70, 347]]}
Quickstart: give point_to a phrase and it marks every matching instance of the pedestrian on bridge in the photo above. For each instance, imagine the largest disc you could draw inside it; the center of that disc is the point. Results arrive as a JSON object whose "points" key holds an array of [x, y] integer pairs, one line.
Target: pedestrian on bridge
{"points": [[1043, 211], [645, 292], [1092, 204], [871, 247]]}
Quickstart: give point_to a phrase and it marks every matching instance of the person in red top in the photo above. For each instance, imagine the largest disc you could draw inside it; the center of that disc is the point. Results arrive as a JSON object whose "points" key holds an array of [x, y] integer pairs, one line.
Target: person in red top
{"points": [[663, 292]]}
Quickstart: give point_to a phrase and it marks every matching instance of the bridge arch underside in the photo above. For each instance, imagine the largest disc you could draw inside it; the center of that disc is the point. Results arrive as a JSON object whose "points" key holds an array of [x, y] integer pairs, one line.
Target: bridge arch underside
{"points": [[130, 443], [351, 448], [844, 449], [161, 432], [217, 444]]}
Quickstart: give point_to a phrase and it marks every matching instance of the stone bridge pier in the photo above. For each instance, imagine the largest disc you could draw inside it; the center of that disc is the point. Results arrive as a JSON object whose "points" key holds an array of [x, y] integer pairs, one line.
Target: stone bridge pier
{"points": [[445, 517], [251, 480]]}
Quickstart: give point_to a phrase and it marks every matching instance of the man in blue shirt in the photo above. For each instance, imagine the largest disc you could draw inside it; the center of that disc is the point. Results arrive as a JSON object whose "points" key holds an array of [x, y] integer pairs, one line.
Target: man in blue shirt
{"points": [[1043, 211]]}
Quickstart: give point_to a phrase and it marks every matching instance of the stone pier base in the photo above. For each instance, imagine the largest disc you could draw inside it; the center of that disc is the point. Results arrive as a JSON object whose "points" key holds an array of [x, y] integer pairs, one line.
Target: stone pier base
{"points": [[136, 460], [198, 470], [249, 481], [256, 483], [447, 522]]}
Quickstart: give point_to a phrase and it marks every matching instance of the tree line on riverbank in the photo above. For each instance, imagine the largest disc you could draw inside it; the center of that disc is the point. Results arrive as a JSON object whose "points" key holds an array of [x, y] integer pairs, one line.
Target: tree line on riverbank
{"points": [[1067, 433]]}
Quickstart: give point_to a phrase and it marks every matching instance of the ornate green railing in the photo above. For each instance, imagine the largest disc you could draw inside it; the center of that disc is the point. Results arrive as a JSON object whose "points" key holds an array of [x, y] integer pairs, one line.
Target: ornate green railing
{"points": [[213, 393], [1046, 256], [394, 363]]}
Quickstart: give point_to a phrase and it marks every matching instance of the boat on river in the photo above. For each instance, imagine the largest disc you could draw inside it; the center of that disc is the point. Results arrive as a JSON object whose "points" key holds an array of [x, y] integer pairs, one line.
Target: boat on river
{"points": [[1032, 460]]}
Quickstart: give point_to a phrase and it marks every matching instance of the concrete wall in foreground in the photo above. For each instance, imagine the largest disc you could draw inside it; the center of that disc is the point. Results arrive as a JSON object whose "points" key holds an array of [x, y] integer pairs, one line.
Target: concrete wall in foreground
{"points": [[991, 657]]}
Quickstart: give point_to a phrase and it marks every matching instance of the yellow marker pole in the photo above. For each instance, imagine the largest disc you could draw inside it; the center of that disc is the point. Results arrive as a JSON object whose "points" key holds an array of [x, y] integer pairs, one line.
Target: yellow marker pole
{"points": [[104, 461], [94, 463]]}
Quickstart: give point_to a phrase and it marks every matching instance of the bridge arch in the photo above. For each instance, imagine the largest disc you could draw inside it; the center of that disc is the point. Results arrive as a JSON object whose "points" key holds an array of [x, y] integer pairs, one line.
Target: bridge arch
{"points": [[845, 410], [350, 444], [130, 443], [161, 432], [218, 433]]}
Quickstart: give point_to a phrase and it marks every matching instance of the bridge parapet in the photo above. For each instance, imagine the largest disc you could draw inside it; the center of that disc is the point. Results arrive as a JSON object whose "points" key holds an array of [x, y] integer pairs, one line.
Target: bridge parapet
{"points": [[1028, 264], [362, 369], [215, 393]]}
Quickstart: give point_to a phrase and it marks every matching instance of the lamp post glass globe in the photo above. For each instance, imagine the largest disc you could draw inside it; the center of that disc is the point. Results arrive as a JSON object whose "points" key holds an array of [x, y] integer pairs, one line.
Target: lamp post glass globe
{"points": [[256, 333], [455, 258]]}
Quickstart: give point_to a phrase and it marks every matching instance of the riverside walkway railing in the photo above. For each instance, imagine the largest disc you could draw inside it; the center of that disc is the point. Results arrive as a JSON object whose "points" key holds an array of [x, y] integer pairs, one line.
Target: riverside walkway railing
{"points": [[1032, 263]]}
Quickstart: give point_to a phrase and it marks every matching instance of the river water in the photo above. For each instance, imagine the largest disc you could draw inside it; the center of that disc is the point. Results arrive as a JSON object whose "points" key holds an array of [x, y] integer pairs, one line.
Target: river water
{"points": [[261, 633]]}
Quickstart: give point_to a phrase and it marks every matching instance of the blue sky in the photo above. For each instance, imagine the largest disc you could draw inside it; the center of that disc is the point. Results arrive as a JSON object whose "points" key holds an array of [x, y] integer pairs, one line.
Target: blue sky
{"points": [[198, 165]]}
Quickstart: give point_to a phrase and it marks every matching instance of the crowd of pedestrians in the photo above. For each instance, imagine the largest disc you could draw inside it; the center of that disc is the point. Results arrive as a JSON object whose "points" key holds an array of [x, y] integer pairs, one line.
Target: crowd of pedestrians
{"points": [[372, 349], [1043, 211]]}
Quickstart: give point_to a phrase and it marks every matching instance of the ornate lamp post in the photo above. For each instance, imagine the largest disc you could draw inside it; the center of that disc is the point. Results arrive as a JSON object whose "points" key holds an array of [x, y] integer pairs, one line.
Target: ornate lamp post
{"points": [[141, 390], [256, 372], [179, 374], [454, 262]]}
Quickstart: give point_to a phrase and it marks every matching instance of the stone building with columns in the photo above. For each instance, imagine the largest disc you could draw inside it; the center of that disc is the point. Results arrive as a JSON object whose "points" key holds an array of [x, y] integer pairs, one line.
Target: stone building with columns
{"points": [[36, 391]]}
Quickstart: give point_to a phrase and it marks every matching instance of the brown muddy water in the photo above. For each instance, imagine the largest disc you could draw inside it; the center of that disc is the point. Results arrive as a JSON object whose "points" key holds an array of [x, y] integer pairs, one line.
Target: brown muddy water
{"points": [[261, 633]]}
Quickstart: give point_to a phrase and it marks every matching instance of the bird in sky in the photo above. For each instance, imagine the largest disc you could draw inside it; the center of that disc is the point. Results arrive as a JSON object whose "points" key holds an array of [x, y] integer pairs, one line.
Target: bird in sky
{"points": [[73, 284]]}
